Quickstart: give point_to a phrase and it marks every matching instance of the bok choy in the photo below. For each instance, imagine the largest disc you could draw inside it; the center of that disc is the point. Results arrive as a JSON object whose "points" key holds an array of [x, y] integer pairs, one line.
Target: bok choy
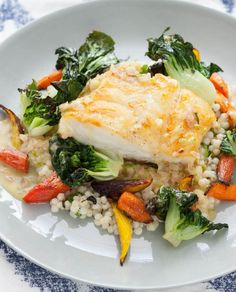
{"points": [[41, 110], [175, 57]]}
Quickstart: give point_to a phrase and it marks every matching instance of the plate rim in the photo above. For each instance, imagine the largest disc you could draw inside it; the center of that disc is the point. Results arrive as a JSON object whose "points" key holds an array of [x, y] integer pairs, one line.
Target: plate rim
{"points": [[29, 26]]}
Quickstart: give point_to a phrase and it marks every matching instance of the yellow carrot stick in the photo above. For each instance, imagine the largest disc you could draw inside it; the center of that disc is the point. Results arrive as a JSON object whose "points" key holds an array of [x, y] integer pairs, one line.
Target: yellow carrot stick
{"points": [[125, 232]]}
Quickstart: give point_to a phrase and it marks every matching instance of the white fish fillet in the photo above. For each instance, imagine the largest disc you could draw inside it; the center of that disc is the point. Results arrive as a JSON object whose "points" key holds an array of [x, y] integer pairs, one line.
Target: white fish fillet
{"points": [[138, 117]]}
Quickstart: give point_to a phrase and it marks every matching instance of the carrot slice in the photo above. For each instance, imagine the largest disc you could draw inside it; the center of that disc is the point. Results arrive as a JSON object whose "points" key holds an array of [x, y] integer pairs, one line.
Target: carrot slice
{"points": [[47, 80], [134, 207], [231, 122], [226, 107], [219, 84], [223, 102], [225, 169], [124, 225], [223, 192], [15, 159], [46, 190], [186, 183]]}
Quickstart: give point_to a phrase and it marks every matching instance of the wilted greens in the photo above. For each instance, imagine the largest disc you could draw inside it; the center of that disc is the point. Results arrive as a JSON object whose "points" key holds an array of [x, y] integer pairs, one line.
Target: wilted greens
{"points": [[41, 113], [176, 58], [228, 144], [77, 163], [181, 223], [159, 205], [92, 58]]}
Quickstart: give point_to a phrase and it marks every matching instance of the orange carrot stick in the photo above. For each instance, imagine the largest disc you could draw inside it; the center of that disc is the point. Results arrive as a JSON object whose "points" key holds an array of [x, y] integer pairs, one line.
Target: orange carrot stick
{"points": [[223, 102], [225, 169], [219, 84], [223, 192], [46, 190], [134, 207], [231, 122], [47, 80], [15, 159]]}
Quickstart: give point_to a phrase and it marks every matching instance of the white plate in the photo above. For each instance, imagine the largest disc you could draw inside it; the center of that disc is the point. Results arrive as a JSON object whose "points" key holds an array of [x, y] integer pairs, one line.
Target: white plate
{"points": [[77, 249]]}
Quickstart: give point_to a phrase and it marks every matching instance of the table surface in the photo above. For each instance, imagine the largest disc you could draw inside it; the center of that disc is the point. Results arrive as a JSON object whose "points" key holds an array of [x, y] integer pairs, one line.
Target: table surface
{"points": [[16, 272]]}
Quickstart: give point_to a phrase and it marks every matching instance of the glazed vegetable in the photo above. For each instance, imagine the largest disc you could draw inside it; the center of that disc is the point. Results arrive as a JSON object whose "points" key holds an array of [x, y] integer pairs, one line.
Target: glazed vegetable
{"points": [[16, 127], [114, 188], [159, 205], [92, 58], [225, 168], [75, 68], [180, 62], [125, 232], [219, 84], [223, 192], [15, 159], [46, 190], [134, 207], [76, 163], [47, 80], [228, 144], [184, 224], [223, 102], [186, 183], [231, 118]]}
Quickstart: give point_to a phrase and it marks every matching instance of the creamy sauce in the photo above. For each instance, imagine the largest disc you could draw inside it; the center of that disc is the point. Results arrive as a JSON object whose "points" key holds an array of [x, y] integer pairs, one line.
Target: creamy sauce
{"points": [[15, 182]]}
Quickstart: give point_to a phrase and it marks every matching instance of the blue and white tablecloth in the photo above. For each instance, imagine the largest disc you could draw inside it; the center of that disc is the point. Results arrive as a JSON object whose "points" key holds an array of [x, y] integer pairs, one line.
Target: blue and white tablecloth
{"points": [[18, 274]]}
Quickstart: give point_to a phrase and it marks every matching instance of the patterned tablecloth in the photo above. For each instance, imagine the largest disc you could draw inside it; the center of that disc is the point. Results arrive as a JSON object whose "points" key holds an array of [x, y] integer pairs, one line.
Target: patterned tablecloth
{"points": [[17, 273]]}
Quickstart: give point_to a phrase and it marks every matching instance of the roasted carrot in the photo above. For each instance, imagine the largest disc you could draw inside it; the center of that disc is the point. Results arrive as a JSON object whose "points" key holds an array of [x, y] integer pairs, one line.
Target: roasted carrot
{"points": [[47, 80], [46, 190], [134, 207], [124, 225], [231, 122], [223, 102], [223, 192], [225, 169], [226, 107], [186, 183], [219, 84], [15, 159]]}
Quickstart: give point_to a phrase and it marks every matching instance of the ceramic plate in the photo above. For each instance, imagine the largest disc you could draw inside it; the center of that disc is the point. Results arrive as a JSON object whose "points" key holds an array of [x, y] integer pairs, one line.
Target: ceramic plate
{"points": [[77, 249]]}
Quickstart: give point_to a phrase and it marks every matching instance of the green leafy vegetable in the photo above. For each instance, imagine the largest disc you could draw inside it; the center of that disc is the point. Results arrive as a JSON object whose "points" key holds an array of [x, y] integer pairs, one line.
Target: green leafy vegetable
{"points": [[77, 163], [228, 144], [96, 54], [181, 223], [40, 112], [185, 225], [66, 56], [175, 58], [159, 205], [28, 95], [92, 58]]}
